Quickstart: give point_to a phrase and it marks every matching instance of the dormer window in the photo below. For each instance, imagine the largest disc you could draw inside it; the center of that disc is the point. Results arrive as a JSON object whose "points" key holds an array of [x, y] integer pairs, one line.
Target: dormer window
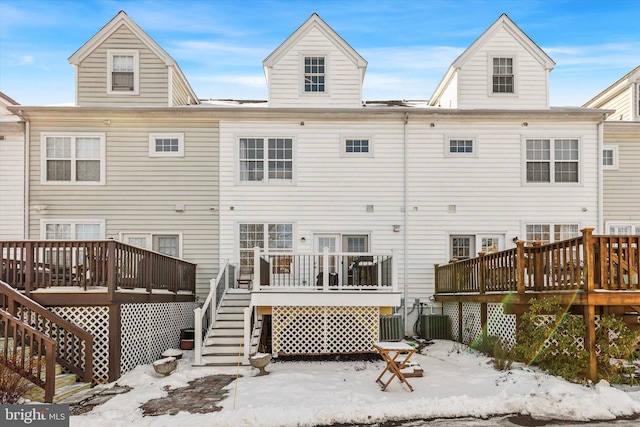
{"points": [[314, 74], [122, 73], [503, 78]]}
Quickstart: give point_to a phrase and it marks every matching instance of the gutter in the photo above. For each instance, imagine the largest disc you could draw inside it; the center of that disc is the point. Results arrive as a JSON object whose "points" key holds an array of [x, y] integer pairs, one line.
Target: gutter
{"points": [[601, 177], [26, 185], [406, 220]]}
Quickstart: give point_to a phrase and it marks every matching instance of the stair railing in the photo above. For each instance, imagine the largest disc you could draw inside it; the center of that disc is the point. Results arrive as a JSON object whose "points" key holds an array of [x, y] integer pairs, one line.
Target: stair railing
{"points": [[74, 346], [205, 316]]}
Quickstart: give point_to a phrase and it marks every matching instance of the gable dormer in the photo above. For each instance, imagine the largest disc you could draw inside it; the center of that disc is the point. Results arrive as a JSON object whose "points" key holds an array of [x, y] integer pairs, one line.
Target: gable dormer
{"points": [[122, 66], [314, 67], [623, 96], [502, 69]]}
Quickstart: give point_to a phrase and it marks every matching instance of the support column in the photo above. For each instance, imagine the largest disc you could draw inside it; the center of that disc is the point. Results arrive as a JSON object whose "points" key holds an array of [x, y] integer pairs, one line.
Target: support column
{"points": [[114, 342], [590, 341]]}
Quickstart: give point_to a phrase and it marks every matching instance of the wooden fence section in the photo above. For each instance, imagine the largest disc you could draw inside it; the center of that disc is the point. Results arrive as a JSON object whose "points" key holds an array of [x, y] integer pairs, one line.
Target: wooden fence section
{"points": [[35, 339], [585, 263], [32, 265]]}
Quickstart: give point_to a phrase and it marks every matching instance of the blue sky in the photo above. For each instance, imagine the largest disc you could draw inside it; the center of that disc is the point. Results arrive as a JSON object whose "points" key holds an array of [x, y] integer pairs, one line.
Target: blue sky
{"points": [[220, 44]]}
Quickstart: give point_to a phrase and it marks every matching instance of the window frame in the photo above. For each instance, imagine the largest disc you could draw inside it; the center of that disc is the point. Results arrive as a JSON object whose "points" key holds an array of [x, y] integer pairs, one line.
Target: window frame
{"points": [[491, 75], [552, 230], [247, 259], [302, 86], [150, 237], [74, 136], [73, 222], [635, 227], [265, 160], [153, 137], [343, 146], [614, 155], [552, 161], [449, 153], [136, 71]]}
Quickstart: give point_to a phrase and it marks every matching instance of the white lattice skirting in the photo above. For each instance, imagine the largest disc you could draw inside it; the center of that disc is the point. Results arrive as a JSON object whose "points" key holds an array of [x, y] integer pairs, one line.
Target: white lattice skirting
{"points": [[324, 330], [498, 323], [146, 331], [94, 320], [149, 329]]}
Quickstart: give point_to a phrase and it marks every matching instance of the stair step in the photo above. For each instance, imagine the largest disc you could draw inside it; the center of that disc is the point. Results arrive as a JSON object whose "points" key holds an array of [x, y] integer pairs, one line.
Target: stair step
{"points": [[230, 316], [221, 360], [224, 340], [234, 332], [235, 303], [62, 381], [229, 324], [222, 349]]}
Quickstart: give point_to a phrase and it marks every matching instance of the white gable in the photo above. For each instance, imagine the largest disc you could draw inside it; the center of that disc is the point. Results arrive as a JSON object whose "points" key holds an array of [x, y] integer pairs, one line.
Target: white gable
{"points": [[468, 83], [338, 67]]}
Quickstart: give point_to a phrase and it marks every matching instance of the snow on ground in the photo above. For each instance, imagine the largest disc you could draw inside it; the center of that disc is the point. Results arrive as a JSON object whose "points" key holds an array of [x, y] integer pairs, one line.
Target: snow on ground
{"points": [[457, 382]]}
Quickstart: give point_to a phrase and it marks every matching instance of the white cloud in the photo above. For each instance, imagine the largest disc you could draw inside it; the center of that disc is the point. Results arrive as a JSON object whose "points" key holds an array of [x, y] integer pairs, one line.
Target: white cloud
{"points": [[25, 60]]}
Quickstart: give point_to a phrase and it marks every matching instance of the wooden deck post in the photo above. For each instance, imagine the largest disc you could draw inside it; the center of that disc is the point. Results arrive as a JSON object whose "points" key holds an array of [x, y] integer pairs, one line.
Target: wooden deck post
{"points": [[111, 269], [460, 317], [437, 282], [520, 266], [538, 262], [590, 341], [115, 342], [28, 267], [481, 273], [589, 259]]}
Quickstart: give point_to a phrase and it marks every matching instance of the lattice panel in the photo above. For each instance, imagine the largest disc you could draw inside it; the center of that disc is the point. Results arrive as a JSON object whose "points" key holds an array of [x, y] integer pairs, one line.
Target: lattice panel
{"points": [[544, 320], [149, 329], [94, 320], [451, 309], [501, 324], [324, 330], [471, 324]]}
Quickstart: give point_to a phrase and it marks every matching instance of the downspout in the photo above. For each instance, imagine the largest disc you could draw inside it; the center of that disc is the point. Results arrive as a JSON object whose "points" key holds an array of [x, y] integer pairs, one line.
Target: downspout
{"points": [[406, 221], [27, 184], [601, 178]]}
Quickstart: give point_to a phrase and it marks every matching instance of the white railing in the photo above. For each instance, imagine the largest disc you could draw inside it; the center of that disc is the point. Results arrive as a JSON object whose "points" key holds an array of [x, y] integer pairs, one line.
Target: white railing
{"points": [[348, 271], [205, 316]]}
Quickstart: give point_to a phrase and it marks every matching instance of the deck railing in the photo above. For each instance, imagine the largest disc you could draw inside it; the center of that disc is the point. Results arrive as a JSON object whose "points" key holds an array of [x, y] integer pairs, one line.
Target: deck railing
{"points": [[35, 339], [32, 265], [583, 263], [344, 271]]}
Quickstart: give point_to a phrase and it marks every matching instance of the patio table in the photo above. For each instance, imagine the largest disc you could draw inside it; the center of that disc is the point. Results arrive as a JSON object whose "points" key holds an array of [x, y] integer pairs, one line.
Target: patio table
{"points": [[396, 355]]}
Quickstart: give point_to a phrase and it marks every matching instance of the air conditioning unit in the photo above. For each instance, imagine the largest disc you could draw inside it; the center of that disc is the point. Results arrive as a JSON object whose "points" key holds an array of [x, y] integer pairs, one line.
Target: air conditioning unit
{"points": [[391, 327], [435, 326]]}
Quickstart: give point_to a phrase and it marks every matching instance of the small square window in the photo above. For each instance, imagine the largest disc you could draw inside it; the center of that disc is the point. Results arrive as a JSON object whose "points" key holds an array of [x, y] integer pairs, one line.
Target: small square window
{"points": [[166, 145], [461, 146], [610, 157], [357, 146]]}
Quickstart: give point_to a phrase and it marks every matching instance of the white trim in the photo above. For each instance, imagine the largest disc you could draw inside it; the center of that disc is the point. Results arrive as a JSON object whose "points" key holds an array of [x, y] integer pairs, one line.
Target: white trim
{"points": [[73, 136], [136, 71], [72, 222], [343, 147], [265, 159], [552, 225], [159, 135], [615, 150], [635, 226], [552, 160], [447, 146], [150, 235], [327, 75], [490, 58]]}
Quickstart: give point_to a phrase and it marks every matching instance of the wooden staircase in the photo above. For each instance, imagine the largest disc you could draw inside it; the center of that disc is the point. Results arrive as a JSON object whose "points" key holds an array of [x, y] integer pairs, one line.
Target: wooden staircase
{"points": [[224, 345], [66, 384]]}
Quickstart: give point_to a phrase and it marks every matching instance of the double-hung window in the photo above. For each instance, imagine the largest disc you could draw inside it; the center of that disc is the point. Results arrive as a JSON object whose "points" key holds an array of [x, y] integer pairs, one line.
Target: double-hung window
{"points": [[73, 158], [266, 159], [503, 75], [166, 244], [122, 71], [314, 74], [278, 238], [554, 160], [72, 230]]}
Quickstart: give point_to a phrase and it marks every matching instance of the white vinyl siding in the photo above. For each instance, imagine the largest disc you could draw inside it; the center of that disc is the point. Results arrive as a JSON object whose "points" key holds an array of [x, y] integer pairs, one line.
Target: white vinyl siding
{"points": [[475, 78], [12, 200], [94, 81], [342, 79]]}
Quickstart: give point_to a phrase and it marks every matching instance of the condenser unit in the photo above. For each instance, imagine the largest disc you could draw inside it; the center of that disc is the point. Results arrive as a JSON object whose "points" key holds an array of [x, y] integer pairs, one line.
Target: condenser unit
{"points": [[435, 326], [391, 328]]}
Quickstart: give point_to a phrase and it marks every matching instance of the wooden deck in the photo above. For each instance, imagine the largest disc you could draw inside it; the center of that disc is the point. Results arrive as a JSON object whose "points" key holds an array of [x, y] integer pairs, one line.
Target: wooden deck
{"points": [[94, 273], [589, 274]]}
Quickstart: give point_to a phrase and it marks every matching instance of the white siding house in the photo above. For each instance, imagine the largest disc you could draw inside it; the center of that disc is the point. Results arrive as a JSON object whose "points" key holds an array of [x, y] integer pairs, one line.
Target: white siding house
{"points": [[620, 159], [11, 172]]}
